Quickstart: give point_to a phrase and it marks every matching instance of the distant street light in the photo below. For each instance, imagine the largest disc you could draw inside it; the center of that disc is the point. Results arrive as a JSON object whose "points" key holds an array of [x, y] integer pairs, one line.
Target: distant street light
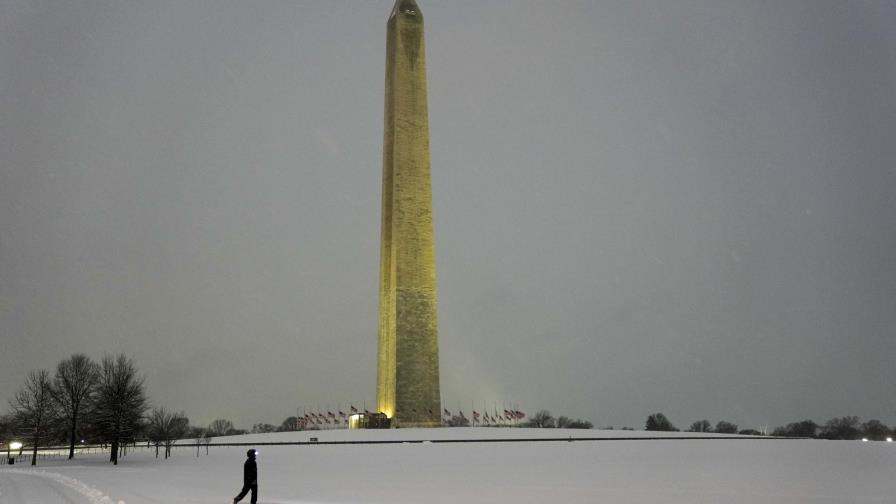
{"points": [[864, 440], [889, 440], [15, 445]]}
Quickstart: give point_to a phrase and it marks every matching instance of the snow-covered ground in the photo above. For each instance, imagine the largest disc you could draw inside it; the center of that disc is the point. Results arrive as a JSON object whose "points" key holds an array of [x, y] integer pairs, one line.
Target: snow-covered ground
{"points": [[623, 471]]}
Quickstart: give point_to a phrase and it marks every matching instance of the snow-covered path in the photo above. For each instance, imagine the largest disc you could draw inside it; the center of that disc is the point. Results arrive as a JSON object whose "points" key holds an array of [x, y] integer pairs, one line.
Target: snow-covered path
{"points": [[19, 486]]}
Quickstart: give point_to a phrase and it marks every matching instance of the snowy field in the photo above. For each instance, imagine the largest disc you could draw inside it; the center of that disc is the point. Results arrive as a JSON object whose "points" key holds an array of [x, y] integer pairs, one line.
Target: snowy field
{"points": [[718, 471]]}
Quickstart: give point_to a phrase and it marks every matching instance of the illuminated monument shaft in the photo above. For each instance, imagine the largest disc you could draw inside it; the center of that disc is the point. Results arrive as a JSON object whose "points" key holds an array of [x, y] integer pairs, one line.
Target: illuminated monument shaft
{"points": [[407, 387]]}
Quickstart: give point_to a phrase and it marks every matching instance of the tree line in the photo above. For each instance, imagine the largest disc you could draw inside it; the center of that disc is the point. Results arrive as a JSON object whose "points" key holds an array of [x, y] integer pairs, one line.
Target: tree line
{"points": [[99, 403], [848, 427], [105, 401]]}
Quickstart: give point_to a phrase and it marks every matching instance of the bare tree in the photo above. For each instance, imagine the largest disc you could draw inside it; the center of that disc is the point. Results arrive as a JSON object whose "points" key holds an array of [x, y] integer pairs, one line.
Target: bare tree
{"points": [[220, 427], [177, 429], [34, 409], [156, 425], [165, 427], [120, 401], [198, 434], [7, 429], [542, 419], [73, 385], [206, 440]]}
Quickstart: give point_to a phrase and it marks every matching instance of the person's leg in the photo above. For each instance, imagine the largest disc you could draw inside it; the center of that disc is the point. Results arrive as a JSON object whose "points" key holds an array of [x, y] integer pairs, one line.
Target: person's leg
{"points": [[242, 493], [254, 494]]}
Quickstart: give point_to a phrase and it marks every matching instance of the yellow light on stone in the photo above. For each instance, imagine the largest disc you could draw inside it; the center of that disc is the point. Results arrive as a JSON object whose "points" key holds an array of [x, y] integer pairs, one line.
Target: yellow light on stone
{"points": [[407, 387]]}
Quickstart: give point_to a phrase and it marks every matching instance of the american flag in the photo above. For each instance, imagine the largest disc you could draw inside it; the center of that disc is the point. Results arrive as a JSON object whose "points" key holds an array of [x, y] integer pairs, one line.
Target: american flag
{"points": [[354, 409]]}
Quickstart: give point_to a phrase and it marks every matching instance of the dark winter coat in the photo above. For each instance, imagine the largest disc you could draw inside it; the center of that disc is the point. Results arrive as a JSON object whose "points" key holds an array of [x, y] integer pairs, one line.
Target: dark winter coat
{"points": [[250, 472]]}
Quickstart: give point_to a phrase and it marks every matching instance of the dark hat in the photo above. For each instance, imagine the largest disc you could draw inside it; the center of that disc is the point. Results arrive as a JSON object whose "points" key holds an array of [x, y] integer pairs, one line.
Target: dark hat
{"points": [[251, 453]]}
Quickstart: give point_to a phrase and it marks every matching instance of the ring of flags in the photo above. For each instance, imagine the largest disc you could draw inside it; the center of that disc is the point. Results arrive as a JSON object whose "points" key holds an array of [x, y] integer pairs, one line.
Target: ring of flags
{"points": [[340, 418], [485, 418]]}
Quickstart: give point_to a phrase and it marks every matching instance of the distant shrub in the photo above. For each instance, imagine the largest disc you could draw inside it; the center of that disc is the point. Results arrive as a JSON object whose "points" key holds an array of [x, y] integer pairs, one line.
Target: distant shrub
{"points": [[542, 419], [568, 423], [724, 427], [290, 423], [458, 421], [700, 426], [875, 430], [659, 422], [806, 428], [841, 428]]}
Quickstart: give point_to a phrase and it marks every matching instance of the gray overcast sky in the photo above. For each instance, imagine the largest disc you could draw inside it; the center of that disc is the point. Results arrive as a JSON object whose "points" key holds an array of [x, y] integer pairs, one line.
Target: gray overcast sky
{"points": [[640, 206]]}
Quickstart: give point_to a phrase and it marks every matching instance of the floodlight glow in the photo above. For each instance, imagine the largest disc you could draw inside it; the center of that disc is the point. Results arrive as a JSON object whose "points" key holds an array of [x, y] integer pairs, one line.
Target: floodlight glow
{"points": [[889, 440], [15, 445], [864, 440]]}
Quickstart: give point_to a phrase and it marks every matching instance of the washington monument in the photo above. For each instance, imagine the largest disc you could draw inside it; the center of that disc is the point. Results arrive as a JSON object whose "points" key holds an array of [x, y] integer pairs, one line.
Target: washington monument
{"points": [[407, 387]]}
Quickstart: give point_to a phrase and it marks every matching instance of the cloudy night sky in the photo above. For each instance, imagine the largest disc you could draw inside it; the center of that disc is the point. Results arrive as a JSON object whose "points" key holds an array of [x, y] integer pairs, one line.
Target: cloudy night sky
{"points": [[641, 206]]}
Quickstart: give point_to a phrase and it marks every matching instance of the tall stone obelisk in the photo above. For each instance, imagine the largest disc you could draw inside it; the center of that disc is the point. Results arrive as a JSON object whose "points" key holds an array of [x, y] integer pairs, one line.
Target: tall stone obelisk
{"points": [[407, 388]]}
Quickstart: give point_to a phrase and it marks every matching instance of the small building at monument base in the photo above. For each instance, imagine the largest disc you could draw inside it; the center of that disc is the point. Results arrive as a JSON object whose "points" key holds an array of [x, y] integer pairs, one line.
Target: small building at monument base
{"points": [[369, 421]]}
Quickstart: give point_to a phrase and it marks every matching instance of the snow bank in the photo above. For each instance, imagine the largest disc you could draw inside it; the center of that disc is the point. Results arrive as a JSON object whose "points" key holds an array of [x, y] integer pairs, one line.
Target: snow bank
{"points": [[458, 433]]}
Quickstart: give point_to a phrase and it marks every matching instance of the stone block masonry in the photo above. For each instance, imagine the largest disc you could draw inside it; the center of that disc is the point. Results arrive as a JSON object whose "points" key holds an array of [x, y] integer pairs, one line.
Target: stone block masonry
{"points": [[408, 355]]}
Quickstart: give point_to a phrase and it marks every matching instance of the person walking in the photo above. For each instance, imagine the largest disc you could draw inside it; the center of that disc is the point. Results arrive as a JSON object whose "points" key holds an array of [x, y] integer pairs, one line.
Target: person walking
{"points": [[250, 478]]}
